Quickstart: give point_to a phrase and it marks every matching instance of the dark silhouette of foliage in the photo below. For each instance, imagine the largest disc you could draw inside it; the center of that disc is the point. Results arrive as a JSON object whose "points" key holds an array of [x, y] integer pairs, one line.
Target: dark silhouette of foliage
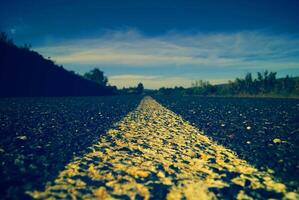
{"points": [[24, 72], [266, 84], [97, 76], [140, 88], [5, 39], [132, 90]]}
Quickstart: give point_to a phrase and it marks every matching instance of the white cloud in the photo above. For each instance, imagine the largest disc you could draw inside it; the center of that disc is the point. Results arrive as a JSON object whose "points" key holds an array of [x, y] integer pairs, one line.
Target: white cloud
{"points": [[202, 53], [130, 48]]}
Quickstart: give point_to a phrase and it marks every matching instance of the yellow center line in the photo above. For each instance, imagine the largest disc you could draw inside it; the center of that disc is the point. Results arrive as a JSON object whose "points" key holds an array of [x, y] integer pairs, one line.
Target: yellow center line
{"points": [[154, 153]]}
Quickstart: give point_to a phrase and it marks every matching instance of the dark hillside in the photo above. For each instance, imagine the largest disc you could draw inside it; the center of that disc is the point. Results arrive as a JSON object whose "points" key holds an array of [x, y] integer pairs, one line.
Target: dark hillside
{"points": [[26, 73]]}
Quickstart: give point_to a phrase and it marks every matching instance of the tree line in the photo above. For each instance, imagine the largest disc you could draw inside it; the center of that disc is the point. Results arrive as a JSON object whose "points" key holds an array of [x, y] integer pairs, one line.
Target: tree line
{"points": [[265, 84]]}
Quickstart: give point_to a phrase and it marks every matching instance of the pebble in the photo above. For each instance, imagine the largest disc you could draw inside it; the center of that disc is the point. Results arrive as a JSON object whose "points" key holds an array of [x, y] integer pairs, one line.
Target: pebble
{"points": [[18, 162], [277, 141], [23, 137]]}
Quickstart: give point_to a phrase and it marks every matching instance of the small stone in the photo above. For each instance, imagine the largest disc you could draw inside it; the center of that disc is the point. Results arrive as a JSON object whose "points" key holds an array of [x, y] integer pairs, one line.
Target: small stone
{"points": [[23, 137], [270, 171], [248, 142], [23, 170], [18, 162], [248, 128], [33, 167], [277, 141]]}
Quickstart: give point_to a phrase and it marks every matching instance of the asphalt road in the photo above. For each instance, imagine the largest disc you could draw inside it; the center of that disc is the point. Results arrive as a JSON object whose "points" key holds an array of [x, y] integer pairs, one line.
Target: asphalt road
{"points": [[265, 132], [155, 154], [72, 148], [39, 136]]}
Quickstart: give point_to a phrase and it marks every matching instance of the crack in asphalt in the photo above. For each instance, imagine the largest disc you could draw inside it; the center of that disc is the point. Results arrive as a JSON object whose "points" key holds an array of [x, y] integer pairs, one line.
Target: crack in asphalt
{"points": [[154, 154]]}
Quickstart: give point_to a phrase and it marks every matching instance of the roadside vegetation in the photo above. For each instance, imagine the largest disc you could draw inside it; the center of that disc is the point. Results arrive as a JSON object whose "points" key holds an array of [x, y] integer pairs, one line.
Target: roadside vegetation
{"points": [[264, 85]]}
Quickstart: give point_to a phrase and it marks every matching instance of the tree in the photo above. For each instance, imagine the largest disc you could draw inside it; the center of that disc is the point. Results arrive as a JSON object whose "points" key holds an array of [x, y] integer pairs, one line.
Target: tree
{"points": [[260, 76], [271, 81], [288, 84], [140, 88], [201, 87], [5, 39], [27, 46], [96, 75]]}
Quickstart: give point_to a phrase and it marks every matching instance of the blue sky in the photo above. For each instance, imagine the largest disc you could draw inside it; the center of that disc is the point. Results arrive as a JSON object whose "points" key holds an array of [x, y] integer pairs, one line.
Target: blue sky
{"points": [[160, 43]]}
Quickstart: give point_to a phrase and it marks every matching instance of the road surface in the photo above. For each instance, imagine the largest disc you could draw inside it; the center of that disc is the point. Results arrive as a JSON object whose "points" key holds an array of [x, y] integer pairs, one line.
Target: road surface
{"points": [[155, 154]]}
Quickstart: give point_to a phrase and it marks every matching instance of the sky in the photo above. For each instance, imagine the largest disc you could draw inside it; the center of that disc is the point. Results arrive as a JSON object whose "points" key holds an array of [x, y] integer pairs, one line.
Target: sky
{"points": [[160, 43]]}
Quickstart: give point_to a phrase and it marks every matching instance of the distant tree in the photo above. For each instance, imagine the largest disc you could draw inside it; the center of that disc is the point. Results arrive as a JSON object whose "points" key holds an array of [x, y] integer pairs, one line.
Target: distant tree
{"points": [[140, 88], [5, 39], [248, 83], [239, 86], [27, 46], [200, 83], [96, 75], [201, 87], [260, 76], [265, 84], [271, 81], [297, 86], [288, 84], [113, 88], [165, 91]]}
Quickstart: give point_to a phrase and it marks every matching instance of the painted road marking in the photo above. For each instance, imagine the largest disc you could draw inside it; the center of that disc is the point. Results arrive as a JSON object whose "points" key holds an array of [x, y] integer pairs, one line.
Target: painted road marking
{"points": [[154, 154]]}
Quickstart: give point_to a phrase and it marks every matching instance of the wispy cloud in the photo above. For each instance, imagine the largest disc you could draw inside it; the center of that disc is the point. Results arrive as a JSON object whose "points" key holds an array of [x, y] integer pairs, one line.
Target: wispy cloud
{"points": [[132, 48], [241, 51]]}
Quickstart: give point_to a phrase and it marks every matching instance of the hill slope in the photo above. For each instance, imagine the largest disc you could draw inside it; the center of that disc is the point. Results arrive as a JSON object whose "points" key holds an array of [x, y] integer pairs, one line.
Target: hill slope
{"points": [[26, 73]]}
